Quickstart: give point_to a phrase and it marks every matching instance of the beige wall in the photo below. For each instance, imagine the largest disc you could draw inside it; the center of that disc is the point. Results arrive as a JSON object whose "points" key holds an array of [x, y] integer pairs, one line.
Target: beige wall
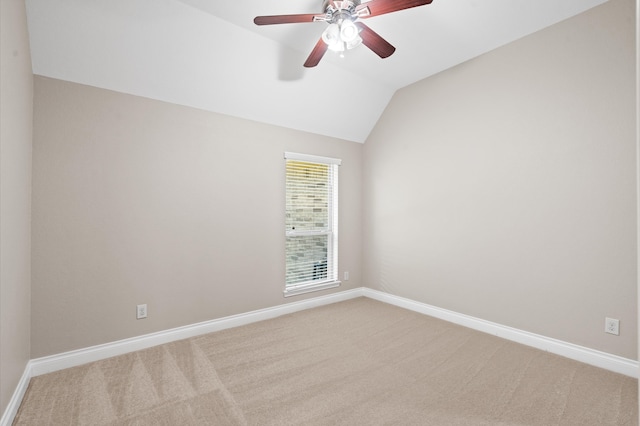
{"points": [[504, 188], [16, 101], [139, 201]]}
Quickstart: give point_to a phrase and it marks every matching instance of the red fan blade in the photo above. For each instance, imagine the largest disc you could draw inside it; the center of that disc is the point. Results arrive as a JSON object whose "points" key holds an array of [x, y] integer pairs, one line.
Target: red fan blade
{"points": [[380, 7], [316, 54], [289, 19], [373, 41]]}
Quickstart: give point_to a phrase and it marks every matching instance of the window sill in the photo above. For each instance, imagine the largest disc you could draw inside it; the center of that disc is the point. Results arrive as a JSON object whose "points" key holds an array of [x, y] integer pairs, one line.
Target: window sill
{"points": [[310, 287]]}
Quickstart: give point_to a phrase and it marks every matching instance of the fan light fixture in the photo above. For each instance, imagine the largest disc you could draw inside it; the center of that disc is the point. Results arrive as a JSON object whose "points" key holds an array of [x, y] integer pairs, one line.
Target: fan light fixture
{"points": [[342, 35], [346, 30]]}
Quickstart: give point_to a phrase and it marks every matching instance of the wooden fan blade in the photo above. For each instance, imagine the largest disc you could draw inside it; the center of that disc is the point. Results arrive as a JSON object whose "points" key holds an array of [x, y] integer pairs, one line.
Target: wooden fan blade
{"points": [[316, 54], [289, 19], [380, 7], [373, 41]]}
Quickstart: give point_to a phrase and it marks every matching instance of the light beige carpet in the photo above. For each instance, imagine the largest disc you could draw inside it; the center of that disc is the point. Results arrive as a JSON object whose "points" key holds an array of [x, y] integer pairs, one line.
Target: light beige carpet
{"points": [[359, 362]]}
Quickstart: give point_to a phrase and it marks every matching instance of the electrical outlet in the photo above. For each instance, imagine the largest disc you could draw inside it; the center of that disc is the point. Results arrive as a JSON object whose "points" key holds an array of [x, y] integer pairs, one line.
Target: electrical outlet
{"points": [[141, 311], [612, 326], [346, 275]]}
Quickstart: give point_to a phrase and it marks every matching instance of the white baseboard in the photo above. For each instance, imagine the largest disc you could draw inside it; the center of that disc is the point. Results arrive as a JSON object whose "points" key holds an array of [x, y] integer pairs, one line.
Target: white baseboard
{"points": [[16, 399], [593, 357], [64, 360], [95, 353]]}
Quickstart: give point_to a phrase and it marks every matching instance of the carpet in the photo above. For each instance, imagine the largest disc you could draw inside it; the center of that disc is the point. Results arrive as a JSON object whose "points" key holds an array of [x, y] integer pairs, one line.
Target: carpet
{"points": [[358, 362]]}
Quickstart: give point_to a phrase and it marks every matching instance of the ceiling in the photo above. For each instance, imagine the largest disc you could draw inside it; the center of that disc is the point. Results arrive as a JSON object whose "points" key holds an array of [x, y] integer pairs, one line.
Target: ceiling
{"points": [[208, 54]]}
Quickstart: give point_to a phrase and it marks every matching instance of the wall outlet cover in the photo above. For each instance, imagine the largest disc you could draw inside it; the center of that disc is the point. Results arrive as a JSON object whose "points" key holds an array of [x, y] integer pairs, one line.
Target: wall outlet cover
{"points": [[141, 311], [612, 326]]}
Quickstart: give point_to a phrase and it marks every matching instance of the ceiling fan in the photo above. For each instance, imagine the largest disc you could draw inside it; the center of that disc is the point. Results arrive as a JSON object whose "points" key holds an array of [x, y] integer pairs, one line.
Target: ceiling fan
{"points": [[345, 30]]}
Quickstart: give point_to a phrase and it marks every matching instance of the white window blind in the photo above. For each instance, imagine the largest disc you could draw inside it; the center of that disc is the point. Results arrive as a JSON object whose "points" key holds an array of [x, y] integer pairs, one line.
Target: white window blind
{"points": [[311, 224]]}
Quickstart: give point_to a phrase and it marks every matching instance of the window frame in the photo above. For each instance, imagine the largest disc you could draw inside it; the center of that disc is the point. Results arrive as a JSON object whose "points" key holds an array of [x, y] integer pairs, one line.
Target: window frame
{"points": [[331, 280]]}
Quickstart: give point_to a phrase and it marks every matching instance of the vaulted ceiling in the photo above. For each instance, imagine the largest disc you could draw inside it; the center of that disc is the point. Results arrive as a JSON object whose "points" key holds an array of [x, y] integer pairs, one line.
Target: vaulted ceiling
{"points": [[209, 54]]}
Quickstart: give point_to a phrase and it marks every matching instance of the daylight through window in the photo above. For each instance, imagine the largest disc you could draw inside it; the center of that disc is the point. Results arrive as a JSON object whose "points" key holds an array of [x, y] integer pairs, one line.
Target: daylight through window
{"points": [[311, 223]]}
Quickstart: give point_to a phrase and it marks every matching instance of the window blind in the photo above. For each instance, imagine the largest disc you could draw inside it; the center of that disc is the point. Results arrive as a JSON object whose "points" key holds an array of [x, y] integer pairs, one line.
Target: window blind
{"points": [[311, 222]]}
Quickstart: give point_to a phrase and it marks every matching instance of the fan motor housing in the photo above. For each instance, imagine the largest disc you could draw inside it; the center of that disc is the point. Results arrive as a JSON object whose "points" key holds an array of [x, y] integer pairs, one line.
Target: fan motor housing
{"points": [[347, 6]]}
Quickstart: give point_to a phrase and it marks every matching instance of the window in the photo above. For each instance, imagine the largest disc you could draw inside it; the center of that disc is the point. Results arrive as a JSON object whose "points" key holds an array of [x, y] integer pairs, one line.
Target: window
{"points": [[311, 223]]}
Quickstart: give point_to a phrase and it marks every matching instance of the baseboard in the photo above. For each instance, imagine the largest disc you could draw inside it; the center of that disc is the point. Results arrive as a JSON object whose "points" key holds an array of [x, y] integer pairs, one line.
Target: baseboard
{"points": [[52, 363], [16, 399], [95, 353], [579, 353], [593, 357], [39, 366]]}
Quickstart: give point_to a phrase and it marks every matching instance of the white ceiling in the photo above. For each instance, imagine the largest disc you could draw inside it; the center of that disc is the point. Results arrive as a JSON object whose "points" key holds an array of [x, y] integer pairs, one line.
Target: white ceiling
{"points": [[208, 54]]}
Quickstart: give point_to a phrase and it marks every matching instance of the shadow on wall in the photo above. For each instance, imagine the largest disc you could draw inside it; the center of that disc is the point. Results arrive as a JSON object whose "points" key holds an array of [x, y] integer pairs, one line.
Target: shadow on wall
{"points": [[290, 64]]}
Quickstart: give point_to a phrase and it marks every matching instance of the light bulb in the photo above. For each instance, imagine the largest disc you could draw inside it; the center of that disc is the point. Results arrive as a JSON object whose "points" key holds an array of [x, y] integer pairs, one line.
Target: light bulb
{"points": [[348, 31]]}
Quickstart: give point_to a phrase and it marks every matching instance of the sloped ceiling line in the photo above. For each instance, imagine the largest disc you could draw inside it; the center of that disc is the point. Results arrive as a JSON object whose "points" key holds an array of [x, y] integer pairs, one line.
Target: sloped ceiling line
{"points": [[208, 54]]}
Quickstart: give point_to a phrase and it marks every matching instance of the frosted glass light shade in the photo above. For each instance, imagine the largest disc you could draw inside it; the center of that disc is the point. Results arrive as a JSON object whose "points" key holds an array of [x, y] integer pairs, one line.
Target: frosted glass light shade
{"points": [[331, 35], [348, 31]]}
